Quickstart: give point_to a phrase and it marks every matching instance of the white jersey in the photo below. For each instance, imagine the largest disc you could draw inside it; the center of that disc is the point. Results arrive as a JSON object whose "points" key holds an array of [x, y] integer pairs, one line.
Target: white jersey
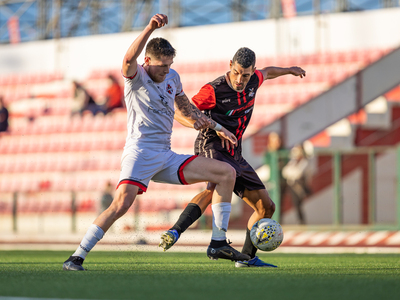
{"points": [[150, 107]]}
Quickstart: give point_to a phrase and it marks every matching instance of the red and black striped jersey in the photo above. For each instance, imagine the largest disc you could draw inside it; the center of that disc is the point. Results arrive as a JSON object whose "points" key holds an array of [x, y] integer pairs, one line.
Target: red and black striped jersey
{"points": [[230, 108]]}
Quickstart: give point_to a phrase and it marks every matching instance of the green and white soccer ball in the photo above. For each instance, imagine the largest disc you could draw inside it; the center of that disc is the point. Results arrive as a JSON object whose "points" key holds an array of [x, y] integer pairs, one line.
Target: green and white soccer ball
{"points": [[266, 234]]}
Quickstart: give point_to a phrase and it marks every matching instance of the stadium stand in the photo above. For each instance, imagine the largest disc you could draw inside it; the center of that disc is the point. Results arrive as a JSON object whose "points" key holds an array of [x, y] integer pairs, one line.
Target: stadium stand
{"points": [[49, 154]]}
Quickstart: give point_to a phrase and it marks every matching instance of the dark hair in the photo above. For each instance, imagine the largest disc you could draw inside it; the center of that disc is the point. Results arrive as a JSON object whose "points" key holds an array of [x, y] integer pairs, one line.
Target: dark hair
{"points": [[158, 47], [245, 57]]}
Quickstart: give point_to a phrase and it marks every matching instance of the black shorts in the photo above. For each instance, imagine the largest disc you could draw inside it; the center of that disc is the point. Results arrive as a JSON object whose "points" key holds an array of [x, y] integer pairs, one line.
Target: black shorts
{"points": [[246, 177]]}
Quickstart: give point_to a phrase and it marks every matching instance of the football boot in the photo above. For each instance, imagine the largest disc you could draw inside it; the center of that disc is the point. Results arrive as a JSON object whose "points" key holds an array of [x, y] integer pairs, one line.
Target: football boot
{"points": [[254, 262], [168, 239], [73, 263]]}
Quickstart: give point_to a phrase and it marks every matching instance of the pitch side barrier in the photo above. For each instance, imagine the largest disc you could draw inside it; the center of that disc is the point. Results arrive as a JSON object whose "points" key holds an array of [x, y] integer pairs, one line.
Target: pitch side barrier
{"points": [[328, 181], [342, 100]]}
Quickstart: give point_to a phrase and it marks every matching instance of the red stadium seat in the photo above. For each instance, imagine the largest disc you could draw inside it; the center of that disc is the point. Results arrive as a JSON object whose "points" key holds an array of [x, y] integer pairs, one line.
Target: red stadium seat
{"points": [[78, 153]]}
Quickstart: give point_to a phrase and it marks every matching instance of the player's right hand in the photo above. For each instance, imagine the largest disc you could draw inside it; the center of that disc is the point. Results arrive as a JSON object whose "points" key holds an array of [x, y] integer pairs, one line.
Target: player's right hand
{"points": [[228, 139], [202, 123], [158, 21]]}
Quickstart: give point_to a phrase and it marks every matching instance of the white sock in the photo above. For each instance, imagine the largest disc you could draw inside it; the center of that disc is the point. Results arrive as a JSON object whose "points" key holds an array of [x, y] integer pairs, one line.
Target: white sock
{"points": [[221, 213], [92, 236]]}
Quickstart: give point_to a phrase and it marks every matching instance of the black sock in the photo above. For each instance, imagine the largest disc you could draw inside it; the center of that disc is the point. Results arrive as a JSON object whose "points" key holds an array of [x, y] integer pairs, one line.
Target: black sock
{"points": [[189, 215], [217, 244], [248, 247]]}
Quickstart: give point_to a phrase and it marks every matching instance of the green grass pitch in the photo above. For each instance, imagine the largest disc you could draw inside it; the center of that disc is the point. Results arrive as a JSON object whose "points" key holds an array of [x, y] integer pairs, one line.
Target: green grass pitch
{"points": [[158, 275]]}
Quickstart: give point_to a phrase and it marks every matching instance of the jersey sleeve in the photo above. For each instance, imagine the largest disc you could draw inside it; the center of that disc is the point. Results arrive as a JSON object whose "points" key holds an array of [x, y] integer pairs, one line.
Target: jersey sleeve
{"points": [[179, 88], [205, 98], [260, 77], [134, 82]]}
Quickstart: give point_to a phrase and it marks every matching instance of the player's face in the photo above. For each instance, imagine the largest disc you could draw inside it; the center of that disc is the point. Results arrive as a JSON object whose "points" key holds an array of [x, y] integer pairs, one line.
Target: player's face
{"points": [[158, 68], [240, 76]]}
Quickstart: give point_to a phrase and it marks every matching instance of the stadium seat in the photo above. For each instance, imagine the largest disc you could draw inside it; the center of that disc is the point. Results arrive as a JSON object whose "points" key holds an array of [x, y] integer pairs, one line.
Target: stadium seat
{"points": [[80, 152]]}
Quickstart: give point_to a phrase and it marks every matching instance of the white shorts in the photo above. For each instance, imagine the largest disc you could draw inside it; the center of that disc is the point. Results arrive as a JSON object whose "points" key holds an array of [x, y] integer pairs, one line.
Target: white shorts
{"points": [[139, 166]]}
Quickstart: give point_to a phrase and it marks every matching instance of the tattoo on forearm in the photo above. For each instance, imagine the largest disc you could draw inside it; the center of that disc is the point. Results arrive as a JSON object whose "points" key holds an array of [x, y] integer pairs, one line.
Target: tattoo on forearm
{"points": [[189, 110], [212, 123], [195, 112], [183, 104]]}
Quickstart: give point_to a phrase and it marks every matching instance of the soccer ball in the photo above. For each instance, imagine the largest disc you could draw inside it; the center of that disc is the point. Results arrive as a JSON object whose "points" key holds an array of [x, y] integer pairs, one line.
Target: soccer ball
{"points": [[266, 234]]}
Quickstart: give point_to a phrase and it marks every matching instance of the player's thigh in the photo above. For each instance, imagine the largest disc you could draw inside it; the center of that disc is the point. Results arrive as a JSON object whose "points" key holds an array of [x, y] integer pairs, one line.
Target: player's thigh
{"points": [[207, 169], [138, 167], [258, 199], [124, 196], [173, 166]]}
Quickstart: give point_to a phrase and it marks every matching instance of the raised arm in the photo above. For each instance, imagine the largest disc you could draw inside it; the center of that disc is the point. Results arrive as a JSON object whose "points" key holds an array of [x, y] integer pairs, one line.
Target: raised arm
{"points": [[273, 72], [129, 64], [189, 115]]}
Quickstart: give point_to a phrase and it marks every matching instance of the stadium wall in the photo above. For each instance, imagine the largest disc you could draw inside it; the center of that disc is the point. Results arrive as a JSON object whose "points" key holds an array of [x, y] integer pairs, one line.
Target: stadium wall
{"points": [[77, 57]]}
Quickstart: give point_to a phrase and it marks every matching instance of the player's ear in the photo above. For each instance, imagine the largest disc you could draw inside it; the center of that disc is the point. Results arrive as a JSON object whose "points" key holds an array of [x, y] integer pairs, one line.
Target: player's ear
{"points": [[230, 64], [147, 60]]}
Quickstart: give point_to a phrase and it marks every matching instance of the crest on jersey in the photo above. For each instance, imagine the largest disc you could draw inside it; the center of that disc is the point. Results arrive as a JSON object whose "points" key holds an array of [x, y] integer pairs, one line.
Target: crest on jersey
{"points": [[169, 89], [251, 93]]}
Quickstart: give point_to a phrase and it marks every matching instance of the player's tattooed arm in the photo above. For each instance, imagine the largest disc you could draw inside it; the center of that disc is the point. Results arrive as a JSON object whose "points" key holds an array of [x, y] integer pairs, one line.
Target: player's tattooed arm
{"points": [[190, 116]]}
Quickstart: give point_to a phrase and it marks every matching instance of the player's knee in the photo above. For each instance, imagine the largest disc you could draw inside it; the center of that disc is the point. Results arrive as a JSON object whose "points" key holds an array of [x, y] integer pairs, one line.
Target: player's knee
{"points": [[261, 211], [267, 209], [226, 174], [229, 174], [272, 207]]}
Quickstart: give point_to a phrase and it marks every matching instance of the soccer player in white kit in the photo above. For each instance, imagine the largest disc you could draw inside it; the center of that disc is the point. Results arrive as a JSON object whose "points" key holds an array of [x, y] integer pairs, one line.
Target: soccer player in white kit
{"points": [[154, 97]]}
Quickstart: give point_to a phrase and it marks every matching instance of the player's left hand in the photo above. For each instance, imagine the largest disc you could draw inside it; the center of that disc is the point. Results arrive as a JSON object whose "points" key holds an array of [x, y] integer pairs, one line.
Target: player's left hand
{"points": [[297, 71], [228, 139], [201, 123]]}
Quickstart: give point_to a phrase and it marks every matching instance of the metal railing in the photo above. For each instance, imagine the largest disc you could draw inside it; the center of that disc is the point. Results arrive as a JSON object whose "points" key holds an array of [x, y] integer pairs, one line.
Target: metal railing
{"points": [[337, 176]]}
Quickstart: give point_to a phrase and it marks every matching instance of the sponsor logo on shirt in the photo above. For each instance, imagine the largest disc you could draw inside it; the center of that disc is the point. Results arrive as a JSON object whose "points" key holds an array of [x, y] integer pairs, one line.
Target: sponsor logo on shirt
{"points": [[248, 107], [246, 111], [226, 100], [163, 101], [162, 111]]}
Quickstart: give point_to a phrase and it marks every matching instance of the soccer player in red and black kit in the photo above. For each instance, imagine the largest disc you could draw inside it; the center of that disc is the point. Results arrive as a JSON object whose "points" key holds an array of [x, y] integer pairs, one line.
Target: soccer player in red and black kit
{"points": [[229, 100]]}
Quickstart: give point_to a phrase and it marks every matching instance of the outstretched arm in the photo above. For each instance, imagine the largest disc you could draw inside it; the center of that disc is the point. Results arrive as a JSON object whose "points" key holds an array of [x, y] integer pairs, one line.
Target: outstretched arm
{"points": [[189, 115], [273, 72], [129, 64]]}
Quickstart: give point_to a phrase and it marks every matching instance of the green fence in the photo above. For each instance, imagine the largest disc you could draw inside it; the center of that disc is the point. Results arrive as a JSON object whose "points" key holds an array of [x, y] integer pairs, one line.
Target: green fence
{"points": [[276, 159]]}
